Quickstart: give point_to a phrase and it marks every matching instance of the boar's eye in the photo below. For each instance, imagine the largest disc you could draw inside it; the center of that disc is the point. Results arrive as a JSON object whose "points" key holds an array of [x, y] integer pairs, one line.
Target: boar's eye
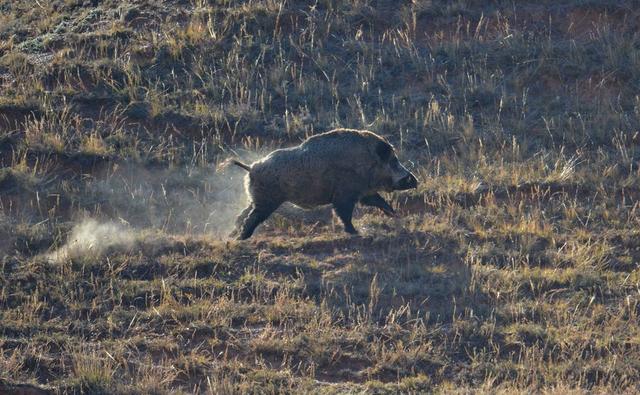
{"points": [[383, 150]]}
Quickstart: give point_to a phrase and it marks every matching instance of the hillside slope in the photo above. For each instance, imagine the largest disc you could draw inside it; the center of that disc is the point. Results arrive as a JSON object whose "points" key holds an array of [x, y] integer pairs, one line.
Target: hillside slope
{"points": [[513, 267]]}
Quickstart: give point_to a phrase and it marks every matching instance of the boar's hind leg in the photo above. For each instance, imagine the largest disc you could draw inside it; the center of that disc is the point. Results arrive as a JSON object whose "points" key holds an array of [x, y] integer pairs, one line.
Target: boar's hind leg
{"points": [[257, 215], [378, 201], [344, 209], [240, 220]]}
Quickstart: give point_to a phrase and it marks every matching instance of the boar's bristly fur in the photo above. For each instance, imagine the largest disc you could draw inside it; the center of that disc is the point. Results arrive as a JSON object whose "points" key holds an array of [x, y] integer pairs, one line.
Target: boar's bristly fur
{"points": [[340, 167]]}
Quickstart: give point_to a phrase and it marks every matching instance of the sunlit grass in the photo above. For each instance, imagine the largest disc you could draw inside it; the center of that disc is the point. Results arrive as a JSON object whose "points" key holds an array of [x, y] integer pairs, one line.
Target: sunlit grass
{"points": [[512, 268]]}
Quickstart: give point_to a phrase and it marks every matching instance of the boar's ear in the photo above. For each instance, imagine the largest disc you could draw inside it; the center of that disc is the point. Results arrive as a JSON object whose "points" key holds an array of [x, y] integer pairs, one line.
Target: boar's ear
{"points": [[383, 149]]}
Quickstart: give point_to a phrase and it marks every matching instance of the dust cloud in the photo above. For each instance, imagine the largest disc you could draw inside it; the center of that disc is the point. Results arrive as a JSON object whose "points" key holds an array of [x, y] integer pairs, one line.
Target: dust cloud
{"points": [[91, 239], [125, 201]]}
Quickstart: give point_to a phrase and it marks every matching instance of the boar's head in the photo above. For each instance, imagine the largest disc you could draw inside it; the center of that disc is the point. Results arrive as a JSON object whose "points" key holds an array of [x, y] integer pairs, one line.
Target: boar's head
{"points": [[390, 174]]}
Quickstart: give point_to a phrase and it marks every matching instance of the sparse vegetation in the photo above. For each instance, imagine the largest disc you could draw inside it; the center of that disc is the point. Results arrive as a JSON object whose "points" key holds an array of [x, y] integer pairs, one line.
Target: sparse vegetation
{"points": [[513, 268]]}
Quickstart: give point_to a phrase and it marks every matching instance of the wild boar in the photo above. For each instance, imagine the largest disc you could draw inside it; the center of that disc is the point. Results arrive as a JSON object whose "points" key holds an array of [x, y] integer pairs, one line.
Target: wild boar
{"points": [[340, 167]]}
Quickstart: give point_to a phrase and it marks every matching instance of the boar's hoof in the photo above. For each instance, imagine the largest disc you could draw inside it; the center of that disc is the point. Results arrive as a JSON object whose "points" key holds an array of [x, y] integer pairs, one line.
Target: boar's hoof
{"points": [[351, 231]]}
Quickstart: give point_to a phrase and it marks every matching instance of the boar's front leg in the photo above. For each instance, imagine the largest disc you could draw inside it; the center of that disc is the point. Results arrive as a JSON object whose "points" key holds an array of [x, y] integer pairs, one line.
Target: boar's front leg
{"points": [[344, 209], [378, 201]]}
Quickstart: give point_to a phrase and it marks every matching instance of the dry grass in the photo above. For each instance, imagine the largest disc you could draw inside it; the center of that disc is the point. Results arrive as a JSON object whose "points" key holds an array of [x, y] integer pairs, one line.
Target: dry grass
{"points": [[513, 268]]}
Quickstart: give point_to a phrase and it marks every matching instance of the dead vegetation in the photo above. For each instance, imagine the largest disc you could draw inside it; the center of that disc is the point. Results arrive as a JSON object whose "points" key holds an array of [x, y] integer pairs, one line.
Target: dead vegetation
{"points": [[513, 268]]}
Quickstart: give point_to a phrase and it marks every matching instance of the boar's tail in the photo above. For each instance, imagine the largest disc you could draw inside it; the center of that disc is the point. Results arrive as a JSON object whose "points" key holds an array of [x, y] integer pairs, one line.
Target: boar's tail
{"points": [[236, 162], [240, 164]]}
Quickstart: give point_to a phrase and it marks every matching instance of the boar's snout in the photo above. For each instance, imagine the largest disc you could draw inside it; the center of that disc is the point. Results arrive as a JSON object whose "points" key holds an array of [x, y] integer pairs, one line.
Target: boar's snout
{"points": [[402, 178], [408, 182]]}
